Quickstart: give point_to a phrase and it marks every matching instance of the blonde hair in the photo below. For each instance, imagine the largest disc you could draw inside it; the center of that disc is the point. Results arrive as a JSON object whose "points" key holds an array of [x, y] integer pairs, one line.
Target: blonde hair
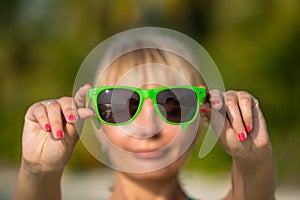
{"points": [[149, 57]]}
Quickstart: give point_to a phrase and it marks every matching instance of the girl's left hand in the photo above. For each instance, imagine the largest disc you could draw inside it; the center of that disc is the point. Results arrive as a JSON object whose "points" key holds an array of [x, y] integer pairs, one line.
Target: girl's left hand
{"points": [[244, 135]]}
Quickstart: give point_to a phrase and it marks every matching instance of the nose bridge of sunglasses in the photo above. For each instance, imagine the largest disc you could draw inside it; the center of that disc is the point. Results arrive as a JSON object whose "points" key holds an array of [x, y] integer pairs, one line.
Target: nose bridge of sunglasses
{"points": [[148, 93]]}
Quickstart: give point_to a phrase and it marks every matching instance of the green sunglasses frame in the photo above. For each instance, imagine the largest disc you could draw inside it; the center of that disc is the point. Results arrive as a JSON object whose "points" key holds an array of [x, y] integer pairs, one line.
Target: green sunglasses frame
{"points": [[147, 93]]}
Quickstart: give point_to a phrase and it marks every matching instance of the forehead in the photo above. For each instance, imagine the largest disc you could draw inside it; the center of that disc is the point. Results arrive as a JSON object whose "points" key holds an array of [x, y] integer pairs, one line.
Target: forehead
{"points": [[148, 67], [154, 74]]}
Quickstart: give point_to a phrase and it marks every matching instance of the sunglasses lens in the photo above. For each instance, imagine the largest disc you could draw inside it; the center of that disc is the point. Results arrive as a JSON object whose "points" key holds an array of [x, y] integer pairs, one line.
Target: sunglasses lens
{"points": [[118, 105], [177, 105]]}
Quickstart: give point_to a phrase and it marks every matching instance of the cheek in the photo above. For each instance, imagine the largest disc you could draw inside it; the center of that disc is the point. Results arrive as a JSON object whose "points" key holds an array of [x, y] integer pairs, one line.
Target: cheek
{"points": [[114, 135], [177, 138], [185, 137], [169, 135], [169, 132]]}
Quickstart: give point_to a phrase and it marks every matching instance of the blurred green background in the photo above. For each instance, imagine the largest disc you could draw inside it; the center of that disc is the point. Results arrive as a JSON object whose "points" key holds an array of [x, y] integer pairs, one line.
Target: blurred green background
{"points": [[255, 44]]}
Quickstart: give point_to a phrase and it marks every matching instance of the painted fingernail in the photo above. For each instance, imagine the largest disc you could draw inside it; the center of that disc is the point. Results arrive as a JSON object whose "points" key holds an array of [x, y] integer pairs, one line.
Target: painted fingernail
{"points": [[47, 127], [201, 85], [216, 102], [242, 136], [71, 117], [203, 110], [59, 134], [248, 129]]}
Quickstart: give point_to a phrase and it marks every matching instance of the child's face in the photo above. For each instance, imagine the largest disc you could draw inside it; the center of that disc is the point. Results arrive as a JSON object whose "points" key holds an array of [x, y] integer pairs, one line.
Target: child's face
{"points": [[148, 143]]}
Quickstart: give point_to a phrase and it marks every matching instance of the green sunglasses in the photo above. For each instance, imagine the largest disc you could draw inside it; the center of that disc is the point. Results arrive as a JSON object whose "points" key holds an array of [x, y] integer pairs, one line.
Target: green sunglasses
{"points": [[120, 105]]}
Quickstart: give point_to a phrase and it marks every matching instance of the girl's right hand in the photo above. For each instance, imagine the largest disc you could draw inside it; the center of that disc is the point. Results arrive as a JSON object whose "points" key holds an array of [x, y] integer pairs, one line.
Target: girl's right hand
{"points": [[49, 134]]}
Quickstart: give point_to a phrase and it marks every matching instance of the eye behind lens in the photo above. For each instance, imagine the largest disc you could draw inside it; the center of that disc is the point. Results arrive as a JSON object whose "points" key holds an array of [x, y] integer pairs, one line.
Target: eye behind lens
{"points": [[177, 105], [118, 105]]}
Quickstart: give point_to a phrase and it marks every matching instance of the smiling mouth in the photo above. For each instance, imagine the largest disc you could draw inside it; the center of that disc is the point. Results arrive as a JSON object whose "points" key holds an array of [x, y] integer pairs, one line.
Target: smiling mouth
{"points": [[150, 154]]}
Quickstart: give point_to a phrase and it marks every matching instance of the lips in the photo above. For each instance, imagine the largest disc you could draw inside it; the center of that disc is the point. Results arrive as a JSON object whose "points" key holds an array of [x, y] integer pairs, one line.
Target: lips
{"points": [[150, 154]]}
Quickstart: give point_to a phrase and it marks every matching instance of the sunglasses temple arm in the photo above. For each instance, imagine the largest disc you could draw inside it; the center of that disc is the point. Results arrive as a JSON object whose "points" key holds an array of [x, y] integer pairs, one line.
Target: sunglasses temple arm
{"points": [[96, 122]]}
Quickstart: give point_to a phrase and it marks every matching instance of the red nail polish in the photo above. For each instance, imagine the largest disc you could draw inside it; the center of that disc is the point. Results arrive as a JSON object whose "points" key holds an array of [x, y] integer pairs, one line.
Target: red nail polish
{"points": [[216, 102], [71, 117], [201, 85], [59, 134], [203, 110], [47, 127], [241, 137], [248, 129]]}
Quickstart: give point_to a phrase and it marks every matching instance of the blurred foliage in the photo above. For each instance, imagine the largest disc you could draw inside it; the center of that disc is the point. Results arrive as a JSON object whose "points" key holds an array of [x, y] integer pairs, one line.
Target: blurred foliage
{"points": [[255, 44]]}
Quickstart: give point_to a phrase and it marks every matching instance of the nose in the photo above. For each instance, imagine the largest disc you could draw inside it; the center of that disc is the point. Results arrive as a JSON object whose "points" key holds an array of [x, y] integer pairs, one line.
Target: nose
{"points": [[147, 124], [145, 116]]}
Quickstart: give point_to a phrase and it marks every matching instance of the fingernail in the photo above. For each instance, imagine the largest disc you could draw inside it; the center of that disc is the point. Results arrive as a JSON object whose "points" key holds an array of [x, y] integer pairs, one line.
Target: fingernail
{"points": [[47, 127], [71, 117], [201, 85], [202, 109], [216, 102], [242, 136], [248, 129], [59, 134], [87, 85]]}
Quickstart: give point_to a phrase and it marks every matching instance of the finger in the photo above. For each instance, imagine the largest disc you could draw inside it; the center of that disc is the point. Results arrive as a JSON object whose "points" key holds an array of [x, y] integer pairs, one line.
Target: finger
{"points": [[69, 113], [37, 113], [67, 109], [216, 99], [205, 112], [245, 105], [259, 129], [56, 119], [234, 115], [80, 96], [84, 113]]}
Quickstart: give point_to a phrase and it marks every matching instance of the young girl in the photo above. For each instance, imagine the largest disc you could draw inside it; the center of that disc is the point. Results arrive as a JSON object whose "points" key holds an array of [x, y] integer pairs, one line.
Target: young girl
{"points": [[150, 104]]}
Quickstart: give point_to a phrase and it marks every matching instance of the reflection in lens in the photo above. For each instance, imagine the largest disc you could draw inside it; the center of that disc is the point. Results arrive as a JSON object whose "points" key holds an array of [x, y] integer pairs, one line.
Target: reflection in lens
{"points": [[177, 104], [133, 104], [118, 105]]}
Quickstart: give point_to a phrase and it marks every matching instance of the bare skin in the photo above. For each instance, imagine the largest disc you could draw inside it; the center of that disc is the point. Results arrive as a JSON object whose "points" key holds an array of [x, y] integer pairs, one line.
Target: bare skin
{"points": [[47, 151]]}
